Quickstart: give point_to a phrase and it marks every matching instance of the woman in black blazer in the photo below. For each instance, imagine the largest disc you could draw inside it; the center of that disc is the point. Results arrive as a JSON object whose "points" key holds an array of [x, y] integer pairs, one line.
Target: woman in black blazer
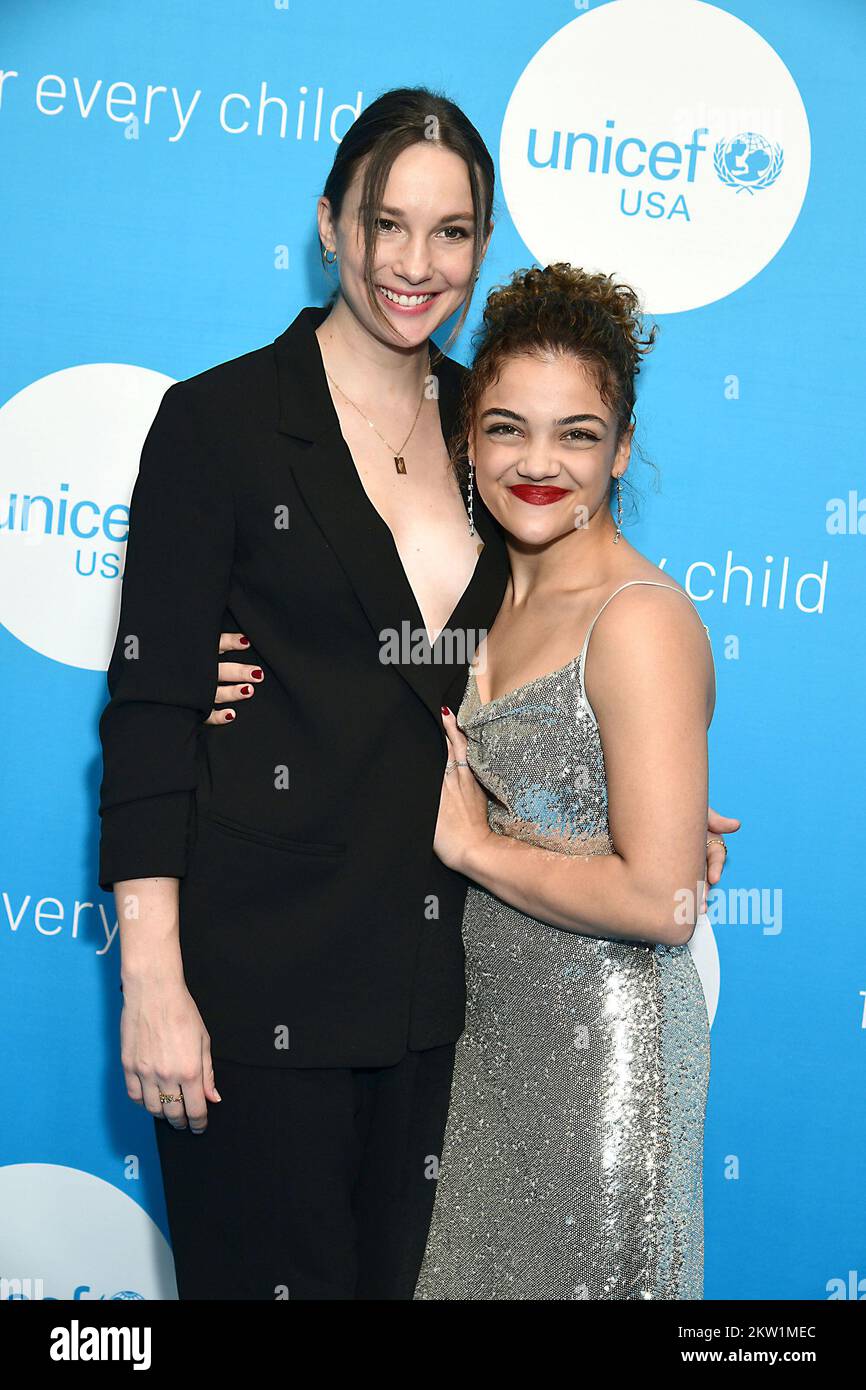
{"points": [[282, 914]]}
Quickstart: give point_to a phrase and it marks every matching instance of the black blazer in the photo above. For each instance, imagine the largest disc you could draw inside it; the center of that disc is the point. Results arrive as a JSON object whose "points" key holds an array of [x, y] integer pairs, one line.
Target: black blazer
{"points": [[317, 928]]}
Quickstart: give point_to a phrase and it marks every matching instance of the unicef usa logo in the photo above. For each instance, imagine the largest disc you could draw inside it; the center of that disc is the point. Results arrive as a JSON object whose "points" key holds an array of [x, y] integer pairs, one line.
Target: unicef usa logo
{"points": [[70, 1236], [71, 445], [26, 1290], [748, 162], [630, 136]]}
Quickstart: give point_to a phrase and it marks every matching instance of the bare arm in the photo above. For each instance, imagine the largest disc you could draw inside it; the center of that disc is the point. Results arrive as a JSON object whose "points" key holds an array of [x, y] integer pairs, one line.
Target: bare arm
{"points": [[148, 921], [650, 683], [164, 1043]]}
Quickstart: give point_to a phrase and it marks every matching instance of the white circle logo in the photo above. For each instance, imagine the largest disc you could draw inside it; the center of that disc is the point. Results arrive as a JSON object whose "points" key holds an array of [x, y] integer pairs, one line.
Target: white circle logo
{"points": [[67, 1234], [661, 141], [71, 445]]}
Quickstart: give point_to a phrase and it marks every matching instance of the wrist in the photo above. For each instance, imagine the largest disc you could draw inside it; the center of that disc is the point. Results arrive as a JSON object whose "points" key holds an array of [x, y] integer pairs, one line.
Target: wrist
{"points": [[157, 970]]}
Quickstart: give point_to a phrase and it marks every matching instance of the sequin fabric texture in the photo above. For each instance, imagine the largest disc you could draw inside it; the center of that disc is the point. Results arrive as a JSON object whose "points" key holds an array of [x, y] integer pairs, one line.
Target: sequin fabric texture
{"points": [[572, 1160]]}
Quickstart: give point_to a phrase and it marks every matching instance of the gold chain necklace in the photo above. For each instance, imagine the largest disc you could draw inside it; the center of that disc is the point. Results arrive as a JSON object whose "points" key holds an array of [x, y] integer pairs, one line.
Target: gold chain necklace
{"points": [[399, 461]]}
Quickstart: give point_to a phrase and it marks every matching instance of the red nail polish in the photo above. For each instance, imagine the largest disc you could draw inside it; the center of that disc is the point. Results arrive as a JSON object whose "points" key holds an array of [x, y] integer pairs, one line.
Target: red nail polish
{"points": [[445, 709], [246, 689], [245, 641], [257, 674], [230, 714]]}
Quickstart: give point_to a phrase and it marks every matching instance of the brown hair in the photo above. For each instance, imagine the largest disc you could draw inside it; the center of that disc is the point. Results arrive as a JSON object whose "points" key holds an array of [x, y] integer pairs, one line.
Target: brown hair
{"points": [[397, 119], [561, 309]]}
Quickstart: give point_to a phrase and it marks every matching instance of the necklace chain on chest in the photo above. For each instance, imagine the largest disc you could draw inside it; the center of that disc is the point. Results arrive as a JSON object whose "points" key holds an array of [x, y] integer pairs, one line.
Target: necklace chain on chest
{"points": [[399, 460]]}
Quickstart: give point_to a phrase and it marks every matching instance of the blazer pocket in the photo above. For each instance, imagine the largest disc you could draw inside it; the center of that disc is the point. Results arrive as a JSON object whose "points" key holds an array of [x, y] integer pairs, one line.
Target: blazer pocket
{"points": [[313, 848]]}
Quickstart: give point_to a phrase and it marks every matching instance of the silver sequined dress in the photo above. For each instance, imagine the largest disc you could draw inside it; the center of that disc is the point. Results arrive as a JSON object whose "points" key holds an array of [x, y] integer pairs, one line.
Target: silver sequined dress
{"points": [[572, 1160]]}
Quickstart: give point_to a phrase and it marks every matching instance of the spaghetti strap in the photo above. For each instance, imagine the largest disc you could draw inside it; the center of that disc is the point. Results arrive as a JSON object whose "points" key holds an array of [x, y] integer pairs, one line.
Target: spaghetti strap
{"points": [[658, 583]]}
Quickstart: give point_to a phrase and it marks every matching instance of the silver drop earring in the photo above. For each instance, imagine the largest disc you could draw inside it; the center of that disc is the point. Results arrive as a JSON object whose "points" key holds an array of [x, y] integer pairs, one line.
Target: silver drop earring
{"points": [[618, 511], [469, 505]]}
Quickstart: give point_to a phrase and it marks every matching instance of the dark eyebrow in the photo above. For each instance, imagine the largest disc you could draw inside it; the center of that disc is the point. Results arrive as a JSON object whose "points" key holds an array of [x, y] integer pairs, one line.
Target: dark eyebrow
{"points": [[566, 420], [449, 216]]}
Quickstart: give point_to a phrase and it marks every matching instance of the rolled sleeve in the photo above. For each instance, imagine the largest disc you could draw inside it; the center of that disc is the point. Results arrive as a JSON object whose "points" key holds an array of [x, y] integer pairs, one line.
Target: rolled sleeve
{"points": [[162, 675]]}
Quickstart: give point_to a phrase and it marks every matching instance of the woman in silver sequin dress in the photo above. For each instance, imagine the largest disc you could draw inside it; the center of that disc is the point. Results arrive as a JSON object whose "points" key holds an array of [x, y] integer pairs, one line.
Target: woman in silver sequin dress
{"points": [[575, 799]]}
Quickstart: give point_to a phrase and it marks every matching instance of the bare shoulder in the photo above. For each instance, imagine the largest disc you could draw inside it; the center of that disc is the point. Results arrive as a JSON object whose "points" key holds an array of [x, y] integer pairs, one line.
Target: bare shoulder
{"points": [[641, 599], [648, 639]]}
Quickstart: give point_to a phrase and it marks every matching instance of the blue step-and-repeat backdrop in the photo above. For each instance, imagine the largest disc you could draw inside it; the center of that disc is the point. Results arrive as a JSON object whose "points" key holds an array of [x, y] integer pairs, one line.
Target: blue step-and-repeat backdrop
{"points": [[160, 165]]}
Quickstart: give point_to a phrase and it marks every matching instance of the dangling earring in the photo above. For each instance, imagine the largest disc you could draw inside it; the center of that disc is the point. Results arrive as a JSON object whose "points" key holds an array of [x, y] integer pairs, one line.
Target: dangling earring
{"points": [[618, 511], [470, 501], [330, 257]]}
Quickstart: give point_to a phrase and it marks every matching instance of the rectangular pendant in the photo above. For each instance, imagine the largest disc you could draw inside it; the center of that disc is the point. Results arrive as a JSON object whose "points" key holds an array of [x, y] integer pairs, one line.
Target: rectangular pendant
{"points": [[399, 463]]}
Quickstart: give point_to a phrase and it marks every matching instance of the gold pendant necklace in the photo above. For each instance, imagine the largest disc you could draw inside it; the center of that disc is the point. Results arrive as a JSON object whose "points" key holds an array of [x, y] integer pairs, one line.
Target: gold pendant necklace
{"points": [[399, 460]]}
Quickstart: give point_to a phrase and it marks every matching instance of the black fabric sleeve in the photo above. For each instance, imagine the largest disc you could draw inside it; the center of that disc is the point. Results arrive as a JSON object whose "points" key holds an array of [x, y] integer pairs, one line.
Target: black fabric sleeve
{"points": [[162, 676]]}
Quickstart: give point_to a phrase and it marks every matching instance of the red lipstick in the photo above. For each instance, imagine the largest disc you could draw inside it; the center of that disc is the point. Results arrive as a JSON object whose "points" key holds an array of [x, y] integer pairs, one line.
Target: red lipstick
{"points": [[538, 494]]}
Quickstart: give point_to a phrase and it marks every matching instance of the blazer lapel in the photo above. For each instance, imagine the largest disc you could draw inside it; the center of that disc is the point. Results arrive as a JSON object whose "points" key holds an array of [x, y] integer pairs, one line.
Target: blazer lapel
{"points": [[362, 542]]}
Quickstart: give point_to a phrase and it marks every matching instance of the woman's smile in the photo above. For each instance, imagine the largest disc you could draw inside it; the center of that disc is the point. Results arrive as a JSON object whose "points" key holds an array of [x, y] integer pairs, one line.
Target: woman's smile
{"points": [[403, 303]]}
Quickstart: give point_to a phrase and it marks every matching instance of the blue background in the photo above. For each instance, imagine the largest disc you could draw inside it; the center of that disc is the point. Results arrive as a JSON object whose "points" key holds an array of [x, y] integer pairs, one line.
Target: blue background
{"points": [[162, 255]]}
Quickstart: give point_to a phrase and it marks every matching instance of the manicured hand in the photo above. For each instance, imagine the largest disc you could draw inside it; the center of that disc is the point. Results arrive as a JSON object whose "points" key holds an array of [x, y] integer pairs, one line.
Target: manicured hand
{"points": [[235, 681], [462, 824]]}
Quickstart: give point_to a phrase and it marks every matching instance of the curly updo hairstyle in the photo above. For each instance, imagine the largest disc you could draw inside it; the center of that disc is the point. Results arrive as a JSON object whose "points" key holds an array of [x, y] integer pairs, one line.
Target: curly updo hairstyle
{"points": [[561, 309]]}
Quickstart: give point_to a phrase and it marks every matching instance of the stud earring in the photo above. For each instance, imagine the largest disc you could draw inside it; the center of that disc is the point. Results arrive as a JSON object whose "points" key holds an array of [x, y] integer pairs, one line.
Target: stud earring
{"points": [[618, 511]]}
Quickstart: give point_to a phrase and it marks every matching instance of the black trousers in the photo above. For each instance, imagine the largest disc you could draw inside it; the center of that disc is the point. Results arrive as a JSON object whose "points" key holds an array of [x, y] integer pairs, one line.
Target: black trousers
{"points": [[308, 1183]]}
